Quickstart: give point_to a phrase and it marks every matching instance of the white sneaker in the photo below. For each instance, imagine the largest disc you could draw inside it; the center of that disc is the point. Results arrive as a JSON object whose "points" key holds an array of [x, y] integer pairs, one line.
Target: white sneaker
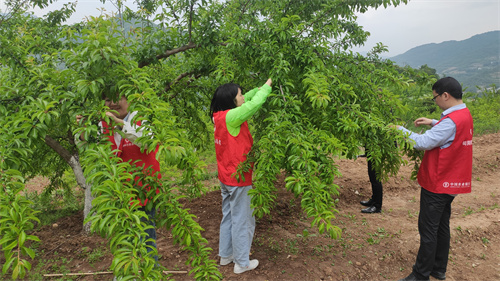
{"points": [[238, 269], [226, 261]]}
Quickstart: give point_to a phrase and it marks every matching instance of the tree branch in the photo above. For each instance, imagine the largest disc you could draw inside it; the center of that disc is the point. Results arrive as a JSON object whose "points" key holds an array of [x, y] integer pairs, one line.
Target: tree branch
{"points": [[315, 21], [169, 86], [173, 12], [71, 159], [243, 11], [168, 53], [14, 9], [58, 148], [190, 24], [179, 78]]}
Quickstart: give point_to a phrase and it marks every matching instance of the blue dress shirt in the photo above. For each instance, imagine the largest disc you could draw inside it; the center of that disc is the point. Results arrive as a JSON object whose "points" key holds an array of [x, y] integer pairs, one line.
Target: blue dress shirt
{"points": [[440, 135]]}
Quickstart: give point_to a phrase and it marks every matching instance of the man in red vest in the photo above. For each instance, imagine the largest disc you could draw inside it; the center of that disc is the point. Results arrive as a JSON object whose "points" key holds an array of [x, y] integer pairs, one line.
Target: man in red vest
{"points": [[445, 172], [128, 150]]}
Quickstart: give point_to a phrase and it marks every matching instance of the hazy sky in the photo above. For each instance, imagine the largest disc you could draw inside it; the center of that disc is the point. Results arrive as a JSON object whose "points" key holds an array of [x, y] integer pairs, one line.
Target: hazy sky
{"points": [[429, 21], [401, 28]]}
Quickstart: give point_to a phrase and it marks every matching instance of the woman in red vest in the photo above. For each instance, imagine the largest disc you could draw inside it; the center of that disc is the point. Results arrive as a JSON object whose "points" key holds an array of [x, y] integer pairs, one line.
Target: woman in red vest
{"points": [[230, 111], [445, 172]]}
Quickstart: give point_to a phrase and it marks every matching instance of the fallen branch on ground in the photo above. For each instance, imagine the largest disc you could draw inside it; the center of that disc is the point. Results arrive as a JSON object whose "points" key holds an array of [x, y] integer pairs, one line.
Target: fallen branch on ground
{"points": [[102, 273]]}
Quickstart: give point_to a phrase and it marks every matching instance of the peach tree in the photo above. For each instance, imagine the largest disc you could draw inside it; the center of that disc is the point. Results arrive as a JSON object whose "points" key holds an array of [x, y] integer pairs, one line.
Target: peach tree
{"points": [[168, 58]]}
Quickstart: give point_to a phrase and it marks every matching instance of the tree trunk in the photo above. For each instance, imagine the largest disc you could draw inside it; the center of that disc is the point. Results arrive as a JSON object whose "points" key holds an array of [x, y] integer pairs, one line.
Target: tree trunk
{"points": [[74, 162], [80, 179], [86, 208]]}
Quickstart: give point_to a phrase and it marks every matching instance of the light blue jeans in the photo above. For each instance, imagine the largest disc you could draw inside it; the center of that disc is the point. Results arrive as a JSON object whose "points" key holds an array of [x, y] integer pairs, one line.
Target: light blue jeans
{"points": [[238, 224]]}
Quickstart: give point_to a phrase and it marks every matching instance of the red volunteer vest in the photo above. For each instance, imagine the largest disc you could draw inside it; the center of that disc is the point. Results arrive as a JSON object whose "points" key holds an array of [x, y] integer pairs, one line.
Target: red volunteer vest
{"points": [[231, 151], [128, 151], [449, 170]]}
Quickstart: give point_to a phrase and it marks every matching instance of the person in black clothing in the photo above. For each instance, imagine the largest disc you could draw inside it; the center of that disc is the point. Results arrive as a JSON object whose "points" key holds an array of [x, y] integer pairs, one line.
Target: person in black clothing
{"points": [[374, 205]]}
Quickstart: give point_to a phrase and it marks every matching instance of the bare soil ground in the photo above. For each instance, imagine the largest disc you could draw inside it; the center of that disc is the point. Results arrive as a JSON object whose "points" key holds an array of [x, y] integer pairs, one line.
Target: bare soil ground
{"points": [[373, 246]]}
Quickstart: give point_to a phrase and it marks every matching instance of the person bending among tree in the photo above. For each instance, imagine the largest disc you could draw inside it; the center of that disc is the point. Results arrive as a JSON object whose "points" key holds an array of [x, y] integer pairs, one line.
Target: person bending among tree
{"points": [[230, 111], [127, 149], [445, 171]]}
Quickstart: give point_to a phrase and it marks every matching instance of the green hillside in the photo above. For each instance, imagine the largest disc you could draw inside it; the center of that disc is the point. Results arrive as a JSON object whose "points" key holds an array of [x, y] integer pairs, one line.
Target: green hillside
{"points": [[474, 61]]}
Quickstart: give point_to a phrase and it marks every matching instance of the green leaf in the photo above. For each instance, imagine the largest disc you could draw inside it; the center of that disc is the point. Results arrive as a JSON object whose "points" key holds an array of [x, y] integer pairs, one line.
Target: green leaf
{"points": [[8, 264], [22, 238]]}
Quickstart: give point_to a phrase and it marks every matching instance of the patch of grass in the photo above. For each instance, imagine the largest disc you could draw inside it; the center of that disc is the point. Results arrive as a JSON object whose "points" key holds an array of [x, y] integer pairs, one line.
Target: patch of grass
{"points": [[485, 240], [57, 201], [305, 234], [317, 250], [258, 241], [451, 259], [377, 236], [468, 211], [412, 214], [96, 255], [58, 265], [350, 216], [273, 245], [388, 255], [291, 246]]}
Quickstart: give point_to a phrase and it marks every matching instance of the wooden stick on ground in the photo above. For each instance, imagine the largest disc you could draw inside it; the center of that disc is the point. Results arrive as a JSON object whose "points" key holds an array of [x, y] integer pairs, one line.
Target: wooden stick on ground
{"points": [[102, 273]]}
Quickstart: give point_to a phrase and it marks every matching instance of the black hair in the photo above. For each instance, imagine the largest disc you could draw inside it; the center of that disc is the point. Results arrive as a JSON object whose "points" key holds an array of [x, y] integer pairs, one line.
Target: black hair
{"points": [[223, 98], [108, 95], [449, 85]]}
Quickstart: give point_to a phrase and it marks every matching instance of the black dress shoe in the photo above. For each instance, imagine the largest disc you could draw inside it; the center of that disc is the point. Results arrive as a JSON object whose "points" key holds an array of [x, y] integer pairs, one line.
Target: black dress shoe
{"points": [[438, 275], [371, 210], [367, 203], [412, 277]]}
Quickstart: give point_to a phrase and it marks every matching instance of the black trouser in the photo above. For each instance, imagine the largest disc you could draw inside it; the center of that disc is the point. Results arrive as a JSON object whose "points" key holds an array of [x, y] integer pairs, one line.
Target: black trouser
{"points": [[151, 232], [434, 230], [377, 193]]}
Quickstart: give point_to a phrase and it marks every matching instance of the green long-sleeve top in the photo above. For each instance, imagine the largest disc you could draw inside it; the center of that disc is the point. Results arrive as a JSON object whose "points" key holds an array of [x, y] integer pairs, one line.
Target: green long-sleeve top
{"points": [[254, 100]]}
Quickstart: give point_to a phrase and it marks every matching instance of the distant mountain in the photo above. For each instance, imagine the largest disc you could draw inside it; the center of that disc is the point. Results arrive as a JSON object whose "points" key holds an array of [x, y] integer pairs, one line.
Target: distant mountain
{"points": [[473, 62]]}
